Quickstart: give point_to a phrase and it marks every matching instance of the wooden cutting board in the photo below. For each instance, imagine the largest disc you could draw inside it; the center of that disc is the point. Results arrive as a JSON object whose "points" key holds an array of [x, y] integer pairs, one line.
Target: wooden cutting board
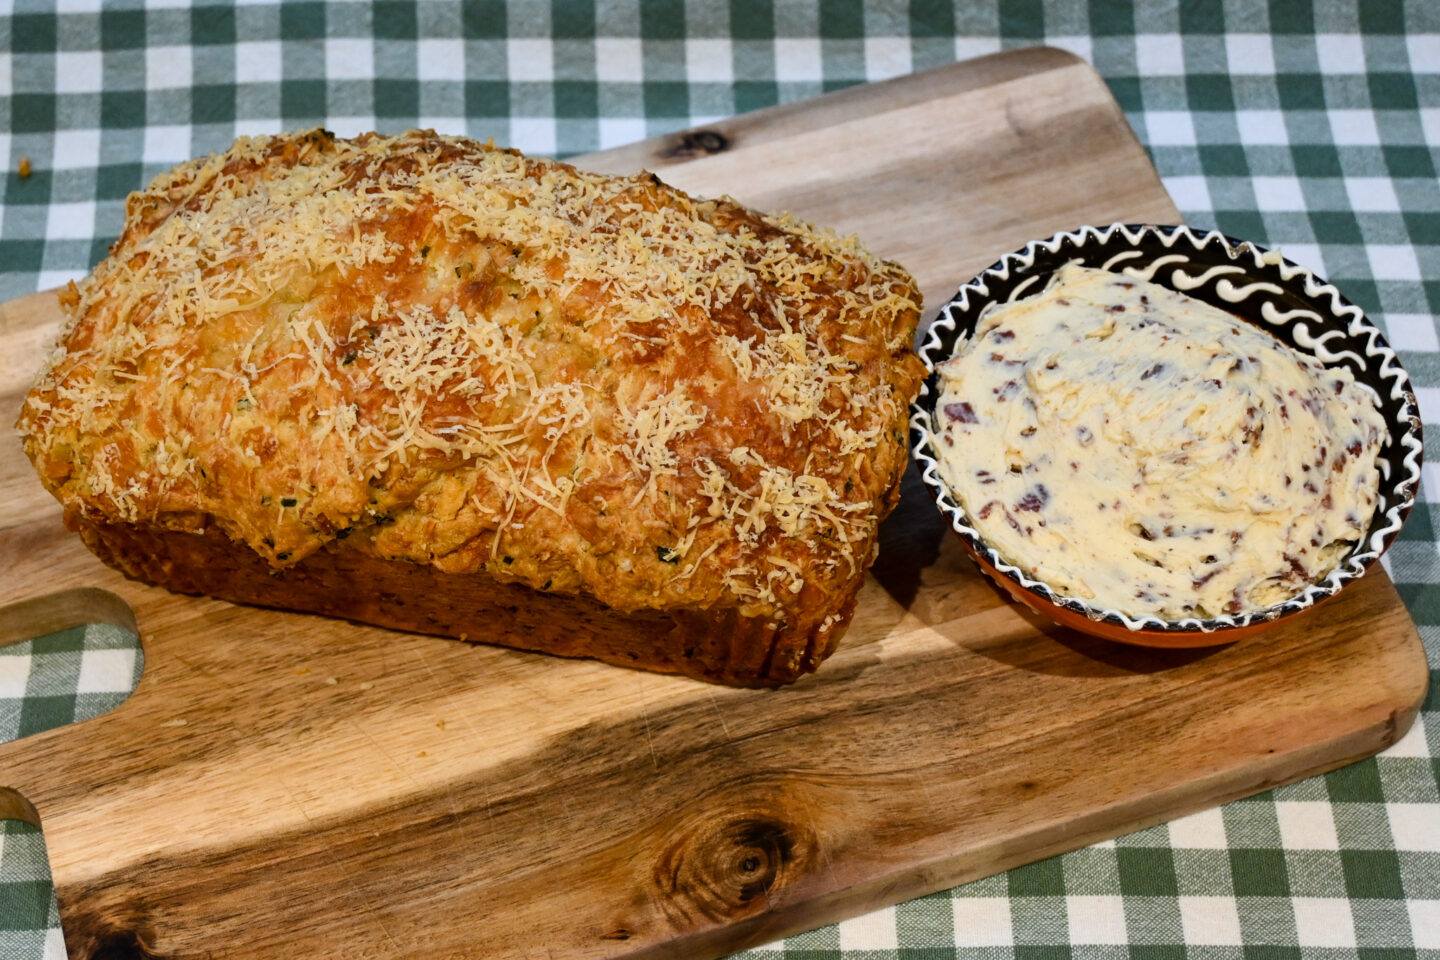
{"points": [[282, 785]]}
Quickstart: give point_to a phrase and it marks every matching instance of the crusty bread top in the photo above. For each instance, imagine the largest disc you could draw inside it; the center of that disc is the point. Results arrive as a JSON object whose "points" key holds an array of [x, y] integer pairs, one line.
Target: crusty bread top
{"points": [[453, 354]]}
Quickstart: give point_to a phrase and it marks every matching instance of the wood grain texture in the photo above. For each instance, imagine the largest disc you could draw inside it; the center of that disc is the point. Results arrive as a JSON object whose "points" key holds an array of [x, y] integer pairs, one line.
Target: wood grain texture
{"points": [[283, 785]]}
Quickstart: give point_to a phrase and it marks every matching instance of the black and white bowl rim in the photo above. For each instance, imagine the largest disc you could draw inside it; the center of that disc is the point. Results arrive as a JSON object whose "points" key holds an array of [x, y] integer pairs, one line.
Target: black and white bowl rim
{"points": [[1397, 493]]}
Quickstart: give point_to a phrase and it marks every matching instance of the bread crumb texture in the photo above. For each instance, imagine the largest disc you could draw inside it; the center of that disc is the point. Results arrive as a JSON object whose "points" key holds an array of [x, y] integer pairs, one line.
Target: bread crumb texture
{"points": [[446, 353]]}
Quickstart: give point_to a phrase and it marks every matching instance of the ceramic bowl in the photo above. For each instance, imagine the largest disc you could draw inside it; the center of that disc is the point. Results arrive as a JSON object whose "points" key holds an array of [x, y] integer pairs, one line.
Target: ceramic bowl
{"points": [[1280, 297]]}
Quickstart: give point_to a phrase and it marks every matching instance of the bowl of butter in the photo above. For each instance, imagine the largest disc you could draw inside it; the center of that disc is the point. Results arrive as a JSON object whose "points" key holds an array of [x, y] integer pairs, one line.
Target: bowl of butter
{"points": [[1164, 436]]}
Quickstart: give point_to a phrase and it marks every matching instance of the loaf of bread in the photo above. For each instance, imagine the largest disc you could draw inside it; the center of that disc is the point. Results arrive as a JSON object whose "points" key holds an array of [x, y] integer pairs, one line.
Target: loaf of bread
{"points": [[425, 383]]}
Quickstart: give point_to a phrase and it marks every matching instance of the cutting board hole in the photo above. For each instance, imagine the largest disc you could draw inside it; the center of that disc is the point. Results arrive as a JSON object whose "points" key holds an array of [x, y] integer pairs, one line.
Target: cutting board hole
{"points": [[64, 658]]}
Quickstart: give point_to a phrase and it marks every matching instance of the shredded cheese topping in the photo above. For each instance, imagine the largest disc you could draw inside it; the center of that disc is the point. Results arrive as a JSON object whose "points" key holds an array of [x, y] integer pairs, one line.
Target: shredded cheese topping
{"points": [[448, 353]]}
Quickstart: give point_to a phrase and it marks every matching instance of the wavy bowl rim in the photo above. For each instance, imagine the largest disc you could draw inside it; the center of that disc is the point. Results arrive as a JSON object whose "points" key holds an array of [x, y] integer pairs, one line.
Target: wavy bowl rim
{"points": [[1321, 294]]}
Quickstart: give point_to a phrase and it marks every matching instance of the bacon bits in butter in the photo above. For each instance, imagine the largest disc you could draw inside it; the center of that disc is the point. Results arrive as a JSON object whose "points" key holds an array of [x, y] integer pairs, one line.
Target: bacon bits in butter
{"points": [[1151, 454]]}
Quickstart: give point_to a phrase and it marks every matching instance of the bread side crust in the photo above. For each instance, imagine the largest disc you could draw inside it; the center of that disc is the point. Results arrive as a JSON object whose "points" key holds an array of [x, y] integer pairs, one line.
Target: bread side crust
{"points": [[719, 646]]}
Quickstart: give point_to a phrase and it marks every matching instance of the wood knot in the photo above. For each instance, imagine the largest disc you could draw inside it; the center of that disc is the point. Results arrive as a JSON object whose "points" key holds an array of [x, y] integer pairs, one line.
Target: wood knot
{"points": [[119, 938], [761, 850], [697, 143], [728, 871]]}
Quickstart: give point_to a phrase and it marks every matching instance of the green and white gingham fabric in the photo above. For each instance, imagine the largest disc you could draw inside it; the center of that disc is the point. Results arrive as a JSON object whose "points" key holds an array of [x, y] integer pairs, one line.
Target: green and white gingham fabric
{"points": [[1309, 126]]}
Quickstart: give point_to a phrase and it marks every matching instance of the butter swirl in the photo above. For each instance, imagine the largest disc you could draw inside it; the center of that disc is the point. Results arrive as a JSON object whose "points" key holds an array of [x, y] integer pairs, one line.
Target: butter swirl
{"points": [[1149, 453]]}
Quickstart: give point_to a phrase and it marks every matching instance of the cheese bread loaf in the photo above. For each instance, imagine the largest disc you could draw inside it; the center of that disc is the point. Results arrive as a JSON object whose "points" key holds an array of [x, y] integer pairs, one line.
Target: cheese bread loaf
{"points": [[426, 383]]}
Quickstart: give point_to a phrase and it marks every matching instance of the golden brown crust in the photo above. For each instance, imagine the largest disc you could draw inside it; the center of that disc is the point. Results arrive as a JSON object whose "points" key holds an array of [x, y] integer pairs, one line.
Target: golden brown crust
{"points": [[424, 349]]}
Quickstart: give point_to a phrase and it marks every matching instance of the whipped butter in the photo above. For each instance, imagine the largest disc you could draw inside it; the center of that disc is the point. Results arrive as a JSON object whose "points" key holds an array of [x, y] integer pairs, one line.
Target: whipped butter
{"points": [[1151, 454]]}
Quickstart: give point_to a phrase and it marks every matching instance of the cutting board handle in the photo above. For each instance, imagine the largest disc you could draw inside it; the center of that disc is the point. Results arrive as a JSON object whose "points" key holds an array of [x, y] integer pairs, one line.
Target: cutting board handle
{"points": [[52, 612]]}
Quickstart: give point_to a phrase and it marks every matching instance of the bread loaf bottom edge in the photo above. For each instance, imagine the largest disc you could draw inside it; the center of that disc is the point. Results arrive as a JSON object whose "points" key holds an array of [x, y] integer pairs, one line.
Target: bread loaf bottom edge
{"points": [[717, 645]]}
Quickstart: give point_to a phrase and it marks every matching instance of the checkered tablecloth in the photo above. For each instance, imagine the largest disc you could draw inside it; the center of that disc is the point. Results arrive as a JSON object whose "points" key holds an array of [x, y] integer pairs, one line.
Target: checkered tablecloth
{"points": [[1313, 127]]}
